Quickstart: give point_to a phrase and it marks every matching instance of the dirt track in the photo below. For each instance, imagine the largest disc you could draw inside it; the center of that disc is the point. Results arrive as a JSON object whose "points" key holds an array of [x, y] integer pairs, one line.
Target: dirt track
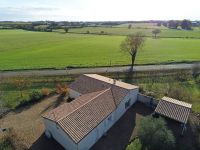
{"points": [[49, 72]]}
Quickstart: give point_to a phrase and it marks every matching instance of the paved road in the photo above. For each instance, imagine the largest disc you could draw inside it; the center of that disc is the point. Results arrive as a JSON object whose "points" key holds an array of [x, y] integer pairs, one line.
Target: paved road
{"points": [[95, 70]]}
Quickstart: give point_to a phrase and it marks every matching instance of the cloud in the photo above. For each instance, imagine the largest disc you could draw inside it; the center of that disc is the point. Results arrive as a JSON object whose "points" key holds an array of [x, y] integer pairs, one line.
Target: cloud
{"points": [[28, 9]]}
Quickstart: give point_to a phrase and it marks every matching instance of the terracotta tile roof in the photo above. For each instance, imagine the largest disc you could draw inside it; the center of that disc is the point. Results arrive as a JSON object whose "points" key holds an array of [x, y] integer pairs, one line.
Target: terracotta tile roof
{"points": [[67, 108], [181, 103], [111, 81], [81, 116], [88, 83], [174, 109]]}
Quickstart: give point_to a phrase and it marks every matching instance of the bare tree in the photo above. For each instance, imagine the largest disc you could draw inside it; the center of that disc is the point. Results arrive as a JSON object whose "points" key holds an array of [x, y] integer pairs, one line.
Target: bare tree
{"points": [[129, 26], [155, 32], [132, 44], [21, 83], [66, 29]]}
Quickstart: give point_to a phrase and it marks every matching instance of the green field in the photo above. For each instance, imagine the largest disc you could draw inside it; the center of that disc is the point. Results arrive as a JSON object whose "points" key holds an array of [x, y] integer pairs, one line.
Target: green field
{"points": [[32, 50], [147, 31]]}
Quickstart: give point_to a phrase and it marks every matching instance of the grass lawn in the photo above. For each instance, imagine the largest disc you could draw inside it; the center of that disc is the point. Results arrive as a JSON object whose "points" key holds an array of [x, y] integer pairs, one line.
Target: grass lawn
{"points": [[33, 50]]}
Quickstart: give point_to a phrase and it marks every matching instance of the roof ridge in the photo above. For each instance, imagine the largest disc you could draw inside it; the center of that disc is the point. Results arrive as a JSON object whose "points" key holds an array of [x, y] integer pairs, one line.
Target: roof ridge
{"points": [[87, 75], [102, 92], [177, 102], [113, 97]]}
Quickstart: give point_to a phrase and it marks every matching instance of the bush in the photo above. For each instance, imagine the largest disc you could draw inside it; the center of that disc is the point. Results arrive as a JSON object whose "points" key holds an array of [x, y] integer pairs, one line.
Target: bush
{"points": [[135, 145], [179, 93], [45, 92], [35, 96], [154, 134], [62, 89], [198, 79], [23, 102], [196, 70], [102, 32]]}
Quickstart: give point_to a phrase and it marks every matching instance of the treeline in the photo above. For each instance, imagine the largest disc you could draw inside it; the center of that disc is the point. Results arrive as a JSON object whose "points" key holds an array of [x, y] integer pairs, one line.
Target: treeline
{"points": [[177, 24], [48, 26]]}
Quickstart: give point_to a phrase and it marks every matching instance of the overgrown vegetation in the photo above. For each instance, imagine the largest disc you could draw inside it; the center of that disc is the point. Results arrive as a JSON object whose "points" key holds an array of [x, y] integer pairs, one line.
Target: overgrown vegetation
{"points": [[11, 141], [177, 84], [154, 135], [135, 145], [38, 88]]}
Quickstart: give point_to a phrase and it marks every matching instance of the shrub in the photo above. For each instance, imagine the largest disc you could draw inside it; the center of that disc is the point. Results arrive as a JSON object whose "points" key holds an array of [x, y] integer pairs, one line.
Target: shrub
{"points": [[154, 134], [35, 96], [88, 32], [198, 79], [23, 102], [45, 92], [196, 70], [102, 32], [62, 89], [135, 145]]}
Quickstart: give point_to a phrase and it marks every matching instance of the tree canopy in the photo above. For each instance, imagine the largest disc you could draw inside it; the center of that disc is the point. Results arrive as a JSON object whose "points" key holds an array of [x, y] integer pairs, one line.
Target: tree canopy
{"points": [[131, 44], [155, 32], [154, 134], [186, 24]]}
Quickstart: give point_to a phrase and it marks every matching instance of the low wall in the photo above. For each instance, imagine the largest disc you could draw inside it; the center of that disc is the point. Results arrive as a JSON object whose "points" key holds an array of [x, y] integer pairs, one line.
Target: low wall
{"points": [[147, 100]]}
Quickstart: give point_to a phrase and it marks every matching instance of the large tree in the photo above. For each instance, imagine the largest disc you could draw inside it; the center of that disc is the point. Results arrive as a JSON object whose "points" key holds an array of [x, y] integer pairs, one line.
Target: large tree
{"points": [[154, 135], [173, 24], [186, 24], [155, 32], [132, 44], [21, 83]]}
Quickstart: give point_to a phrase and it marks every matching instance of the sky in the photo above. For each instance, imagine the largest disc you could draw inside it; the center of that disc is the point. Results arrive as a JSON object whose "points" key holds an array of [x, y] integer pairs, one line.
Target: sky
{"points": [[98, 10]]}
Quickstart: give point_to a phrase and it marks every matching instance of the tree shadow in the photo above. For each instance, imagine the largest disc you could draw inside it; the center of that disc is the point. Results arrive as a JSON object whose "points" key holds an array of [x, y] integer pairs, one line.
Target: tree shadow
{"points": [[60, 100], [185, 141], [128, 75], [27, 106]]}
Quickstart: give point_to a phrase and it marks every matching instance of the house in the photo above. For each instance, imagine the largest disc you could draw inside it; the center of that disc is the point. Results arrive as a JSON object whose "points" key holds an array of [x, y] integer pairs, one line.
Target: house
{"points": [[99, 103], [175, 110]]}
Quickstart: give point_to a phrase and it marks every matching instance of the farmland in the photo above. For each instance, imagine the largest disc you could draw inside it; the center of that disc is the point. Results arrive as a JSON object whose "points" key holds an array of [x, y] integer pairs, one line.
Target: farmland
{"points": [[35, 50], [165, 32]]}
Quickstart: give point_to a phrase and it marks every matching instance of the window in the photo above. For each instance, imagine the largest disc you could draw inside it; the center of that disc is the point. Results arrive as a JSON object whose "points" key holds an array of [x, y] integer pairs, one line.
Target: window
{"points": [[127, 104], [110, 118]]}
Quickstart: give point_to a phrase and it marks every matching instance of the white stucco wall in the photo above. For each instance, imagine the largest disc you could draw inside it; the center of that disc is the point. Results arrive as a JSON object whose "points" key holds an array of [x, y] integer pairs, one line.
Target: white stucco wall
{"points": [[96, 133], [74, 94], [132, 96], [59, 135]]}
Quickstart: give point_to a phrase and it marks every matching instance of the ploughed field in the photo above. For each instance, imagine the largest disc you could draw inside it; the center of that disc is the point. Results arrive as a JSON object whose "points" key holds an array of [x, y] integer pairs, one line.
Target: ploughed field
{"points": [[34, 50]]}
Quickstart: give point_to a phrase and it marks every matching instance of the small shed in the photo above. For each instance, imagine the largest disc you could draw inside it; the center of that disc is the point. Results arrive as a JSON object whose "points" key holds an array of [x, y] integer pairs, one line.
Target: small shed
{"points": [[174, 109]]}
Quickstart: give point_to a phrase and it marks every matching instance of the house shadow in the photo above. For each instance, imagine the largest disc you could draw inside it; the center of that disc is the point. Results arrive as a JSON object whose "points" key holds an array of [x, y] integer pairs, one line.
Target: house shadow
{"points": [[117, 138], [42, 143], [120, 135]]}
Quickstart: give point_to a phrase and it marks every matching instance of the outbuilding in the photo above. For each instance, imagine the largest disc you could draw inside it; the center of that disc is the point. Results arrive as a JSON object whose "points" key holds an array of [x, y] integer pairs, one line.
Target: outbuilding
{"points": [[175, 110]]}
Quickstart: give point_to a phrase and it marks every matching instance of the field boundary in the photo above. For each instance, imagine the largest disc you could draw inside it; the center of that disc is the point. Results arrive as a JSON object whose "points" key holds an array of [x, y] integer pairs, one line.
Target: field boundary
{"points": [[71, 71]]}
